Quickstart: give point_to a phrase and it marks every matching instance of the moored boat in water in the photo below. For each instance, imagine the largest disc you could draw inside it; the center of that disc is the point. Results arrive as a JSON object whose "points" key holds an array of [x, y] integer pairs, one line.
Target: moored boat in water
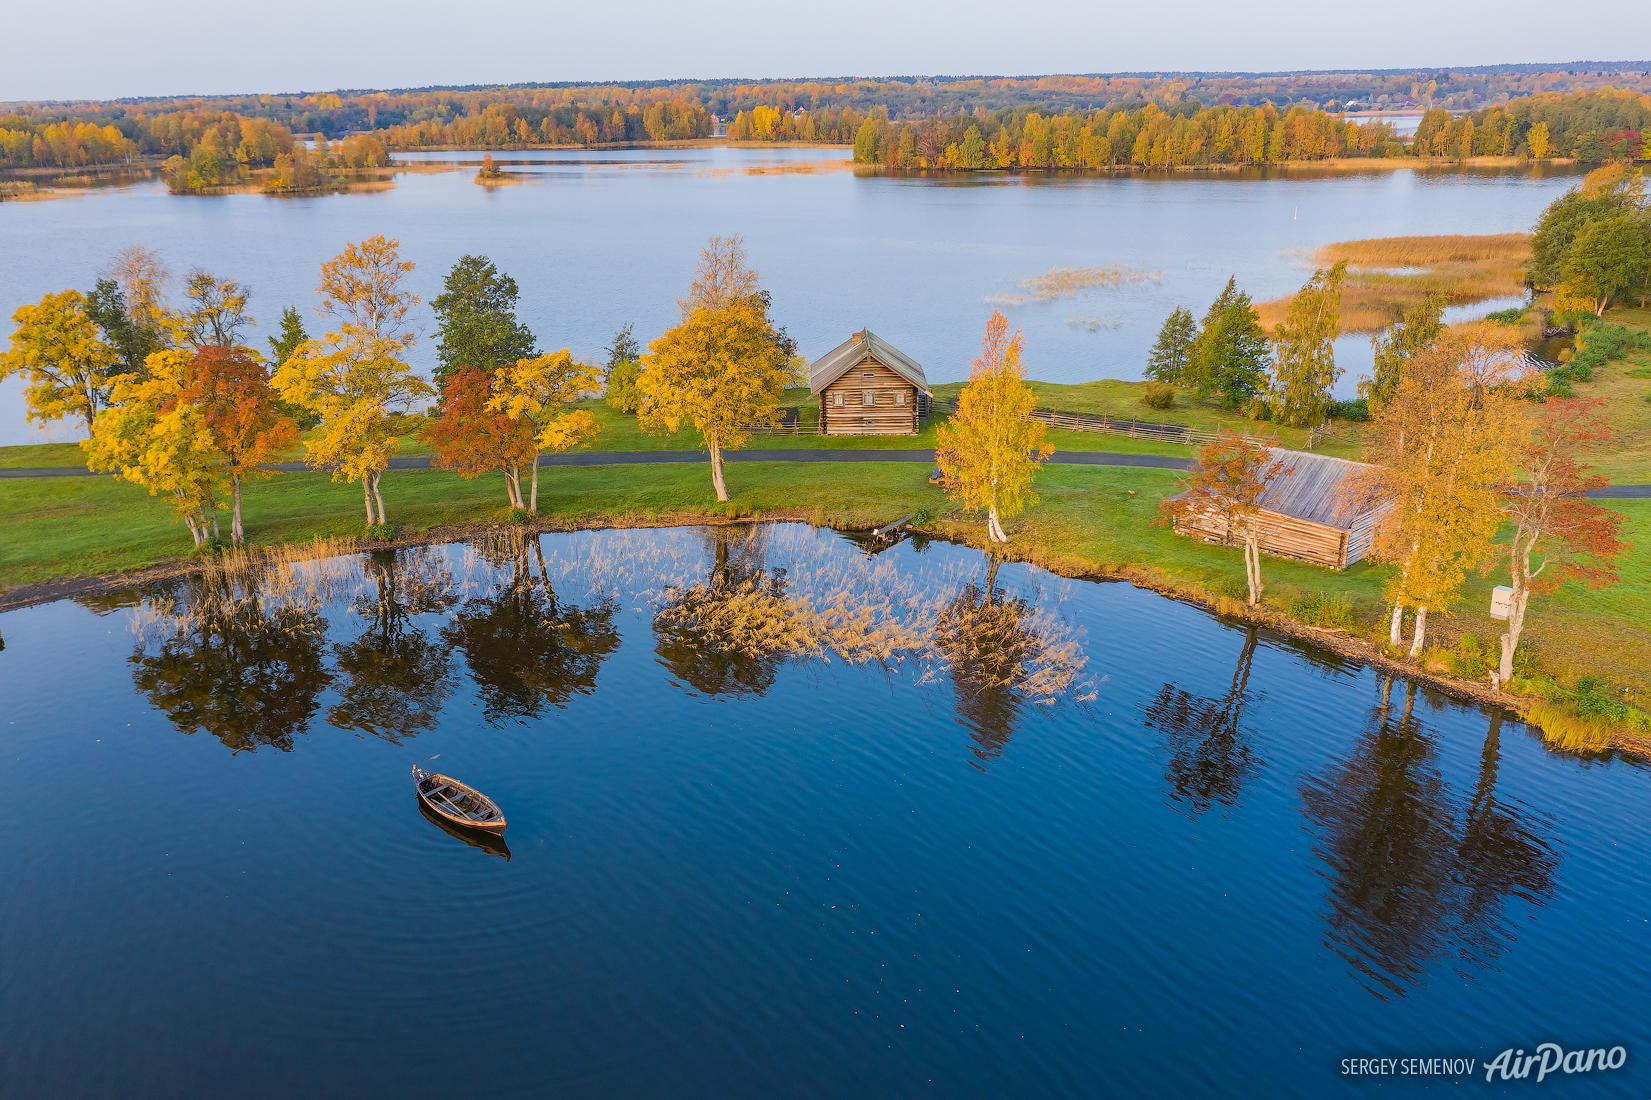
{"points": [[458, 803]]}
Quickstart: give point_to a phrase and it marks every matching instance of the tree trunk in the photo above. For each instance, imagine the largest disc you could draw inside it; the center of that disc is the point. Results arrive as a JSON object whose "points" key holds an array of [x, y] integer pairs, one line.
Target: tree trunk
{"points": [[716, 468], [533, 504], [378, 475], [1398, 622], [1252, 565], [513, 485], [367, 496], [236, 534], [994, 529], [1516, 626], [1421, 631]]}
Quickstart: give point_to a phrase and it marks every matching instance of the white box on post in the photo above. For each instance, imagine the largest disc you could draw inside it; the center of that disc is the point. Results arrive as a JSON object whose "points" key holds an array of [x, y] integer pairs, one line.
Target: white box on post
{"points": [[1501, 602]]}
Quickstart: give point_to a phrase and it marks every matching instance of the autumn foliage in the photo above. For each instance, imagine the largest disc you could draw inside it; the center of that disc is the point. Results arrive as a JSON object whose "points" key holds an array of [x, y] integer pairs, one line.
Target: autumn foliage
{"points": [[1226, 485], [992, 448]]}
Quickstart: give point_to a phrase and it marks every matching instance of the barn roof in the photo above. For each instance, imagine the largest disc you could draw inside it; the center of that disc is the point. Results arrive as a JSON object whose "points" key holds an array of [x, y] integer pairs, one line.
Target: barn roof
{"points": [[863, 344], [1318, 488]]}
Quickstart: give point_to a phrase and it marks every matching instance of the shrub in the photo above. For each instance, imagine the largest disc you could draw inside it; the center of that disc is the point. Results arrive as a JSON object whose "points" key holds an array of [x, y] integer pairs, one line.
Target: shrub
{"points": [[1569, 731], [381, 532], [1593, 700], [1158, 395], [921, 518], [1321, 610], [1357, 410], [1470, 661], [1640, 372], [517, 515], [1508, 316], [1558, 387]]}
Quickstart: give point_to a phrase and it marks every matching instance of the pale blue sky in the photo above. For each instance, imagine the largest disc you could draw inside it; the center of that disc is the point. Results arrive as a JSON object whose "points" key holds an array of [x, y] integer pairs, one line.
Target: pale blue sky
{"points": [[110, 48]]}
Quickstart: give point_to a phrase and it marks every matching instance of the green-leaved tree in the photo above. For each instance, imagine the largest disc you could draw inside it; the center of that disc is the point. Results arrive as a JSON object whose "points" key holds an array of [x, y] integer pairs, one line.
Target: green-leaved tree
{"points": [[1230, 354], [476, 319], [1168, 359], [1397, 344], [1304, 371]]}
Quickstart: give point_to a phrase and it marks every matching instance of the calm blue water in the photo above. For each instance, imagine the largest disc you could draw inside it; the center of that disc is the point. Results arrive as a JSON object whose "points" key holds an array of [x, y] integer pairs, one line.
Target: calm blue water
{"points": [[596, 240], [1227, 869]]}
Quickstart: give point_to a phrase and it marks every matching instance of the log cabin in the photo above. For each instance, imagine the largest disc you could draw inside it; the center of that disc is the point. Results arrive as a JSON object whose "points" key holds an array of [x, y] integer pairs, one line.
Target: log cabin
{"points": [[1318, 512], [869, 387]]}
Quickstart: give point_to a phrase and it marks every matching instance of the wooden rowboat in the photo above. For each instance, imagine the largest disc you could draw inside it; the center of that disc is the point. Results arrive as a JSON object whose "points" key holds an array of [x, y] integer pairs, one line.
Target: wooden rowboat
{"points": [[458, 803], [487, 842]]}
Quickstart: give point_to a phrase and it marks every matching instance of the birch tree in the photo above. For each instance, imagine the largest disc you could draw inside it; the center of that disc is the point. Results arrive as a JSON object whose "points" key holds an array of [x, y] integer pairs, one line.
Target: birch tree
{"points": [[1554, 523], [471, 438], [1227, 482], [150, 437], [352, 376], [991, 448], [1304, 367], [725, 366], [59, 350], [231, 389], [1442, 445], [539, 391]]}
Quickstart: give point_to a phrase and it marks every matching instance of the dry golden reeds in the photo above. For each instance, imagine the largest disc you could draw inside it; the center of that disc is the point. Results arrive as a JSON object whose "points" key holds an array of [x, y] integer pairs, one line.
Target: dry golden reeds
{"points": [[1067, 281], [1387, 274]]}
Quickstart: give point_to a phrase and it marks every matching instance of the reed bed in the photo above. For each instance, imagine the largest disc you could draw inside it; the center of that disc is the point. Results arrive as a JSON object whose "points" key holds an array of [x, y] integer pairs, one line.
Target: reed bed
{"points": [[1388, 274], [1068, 282]]}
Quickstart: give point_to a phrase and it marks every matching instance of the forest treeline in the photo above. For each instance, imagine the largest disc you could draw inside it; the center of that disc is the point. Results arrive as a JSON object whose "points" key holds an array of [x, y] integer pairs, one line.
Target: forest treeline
{"points": [[1130, 128], [1591, 126]]}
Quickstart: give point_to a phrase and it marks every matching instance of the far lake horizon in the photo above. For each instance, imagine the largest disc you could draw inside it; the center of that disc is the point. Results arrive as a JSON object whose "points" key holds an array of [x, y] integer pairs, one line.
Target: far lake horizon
{"points": [[599, 238]]}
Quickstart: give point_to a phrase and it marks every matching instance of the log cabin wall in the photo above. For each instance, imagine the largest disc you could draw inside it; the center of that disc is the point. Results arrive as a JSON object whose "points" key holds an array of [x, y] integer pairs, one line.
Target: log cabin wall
{"points": [[870, 399], [1281, 536]]}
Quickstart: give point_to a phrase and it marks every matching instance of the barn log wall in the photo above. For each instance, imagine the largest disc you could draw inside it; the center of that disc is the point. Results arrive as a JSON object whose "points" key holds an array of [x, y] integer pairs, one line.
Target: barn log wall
{"points": [[884, 417], [1281, 536]]}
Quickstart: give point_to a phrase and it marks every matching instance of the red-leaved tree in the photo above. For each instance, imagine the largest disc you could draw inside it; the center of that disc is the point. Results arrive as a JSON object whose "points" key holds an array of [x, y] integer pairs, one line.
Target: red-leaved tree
{"points": [[471, 440], [230, 387], [1552, 518], [1223, 496]]}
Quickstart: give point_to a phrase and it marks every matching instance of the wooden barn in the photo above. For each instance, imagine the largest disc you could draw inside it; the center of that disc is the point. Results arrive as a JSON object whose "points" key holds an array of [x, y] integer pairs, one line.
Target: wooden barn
{"points": [[1316, 513], [869, 387]]}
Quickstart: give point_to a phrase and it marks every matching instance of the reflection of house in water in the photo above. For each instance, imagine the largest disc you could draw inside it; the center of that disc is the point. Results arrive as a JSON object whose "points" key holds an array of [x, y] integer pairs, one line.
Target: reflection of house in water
{"points": [[1317, 512], [867, 386]]}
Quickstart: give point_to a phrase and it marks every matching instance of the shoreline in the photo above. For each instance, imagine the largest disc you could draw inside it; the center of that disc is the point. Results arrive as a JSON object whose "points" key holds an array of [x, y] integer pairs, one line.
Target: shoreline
{"points": [[1336, 641]]}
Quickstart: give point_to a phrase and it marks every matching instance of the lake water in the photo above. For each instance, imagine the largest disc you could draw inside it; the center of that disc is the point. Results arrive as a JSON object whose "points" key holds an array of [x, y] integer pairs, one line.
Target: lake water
{"points": [[598, 239], [1095, 842]]}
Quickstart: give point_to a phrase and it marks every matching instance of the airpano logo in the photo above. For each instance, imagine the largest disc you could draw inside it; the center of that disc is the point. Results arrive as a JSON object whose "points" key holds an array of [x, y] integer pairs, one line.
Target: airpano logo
{"points": [[1512, 1064], [1552, 1058]]}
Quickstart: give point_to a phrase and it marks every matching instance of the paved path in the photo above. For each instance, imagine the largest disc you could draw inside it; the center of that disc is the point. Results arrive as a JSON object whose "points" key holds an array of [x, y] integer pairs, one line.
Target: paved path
{"points": [[789, 454], [635, 458]]}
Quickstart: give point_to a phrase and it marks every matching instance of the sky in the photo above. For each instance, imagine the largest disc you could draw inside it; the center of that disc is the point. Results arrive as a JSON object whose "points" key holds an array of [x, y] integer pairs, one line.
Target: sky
{"points": [[114, 48]]}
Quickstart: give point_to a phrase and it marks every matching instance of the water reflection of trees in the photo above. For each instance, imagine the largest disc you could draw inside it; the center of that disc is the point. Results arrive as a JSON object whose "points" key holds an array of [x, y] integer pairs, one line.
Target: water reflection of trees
{"points": [[525, 648], [730, 634], [394, 677], [1413, 878], [1211, 756], [239, 655], [982, 634]]}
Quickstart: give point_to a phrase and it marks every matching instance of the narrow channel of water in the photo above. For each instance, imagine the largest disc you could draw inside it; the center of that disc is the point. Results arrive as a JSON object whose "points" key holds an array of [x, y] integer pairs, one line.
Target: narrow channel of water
{"points": [[1009, 835]]}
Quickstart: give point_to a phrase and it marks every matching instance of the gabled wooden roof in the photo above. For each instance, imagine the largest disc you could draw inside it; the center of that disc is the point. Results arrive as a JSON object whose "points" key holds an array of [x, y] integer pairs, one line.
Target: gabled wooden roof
{"points": [[857, 349], [1318, 488]]}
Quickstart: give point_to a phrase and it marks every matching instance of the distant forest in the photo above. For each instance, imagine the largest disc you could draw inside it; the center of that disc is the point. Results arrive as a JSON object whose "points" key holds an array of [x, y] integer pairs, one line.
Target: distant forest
{"points": [[1054, 121]]}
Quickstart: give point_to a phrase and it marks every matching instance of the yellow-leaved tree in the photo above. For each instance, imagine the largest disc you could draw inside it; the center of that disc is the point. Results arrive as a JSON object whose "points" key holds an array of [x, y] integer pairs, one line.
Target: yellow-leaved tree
{"points": [[541, 389], [353, 376], [725, 366], [151, 437], [991, 448], [1443, 446], [58, 348]]}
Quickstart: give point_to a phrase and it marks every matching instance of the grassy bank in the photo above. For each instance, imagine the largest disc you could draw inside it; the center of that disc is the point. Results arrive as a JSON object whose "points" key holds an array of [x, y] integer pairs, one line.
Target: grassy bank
{"points": [[1095, 520]]}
